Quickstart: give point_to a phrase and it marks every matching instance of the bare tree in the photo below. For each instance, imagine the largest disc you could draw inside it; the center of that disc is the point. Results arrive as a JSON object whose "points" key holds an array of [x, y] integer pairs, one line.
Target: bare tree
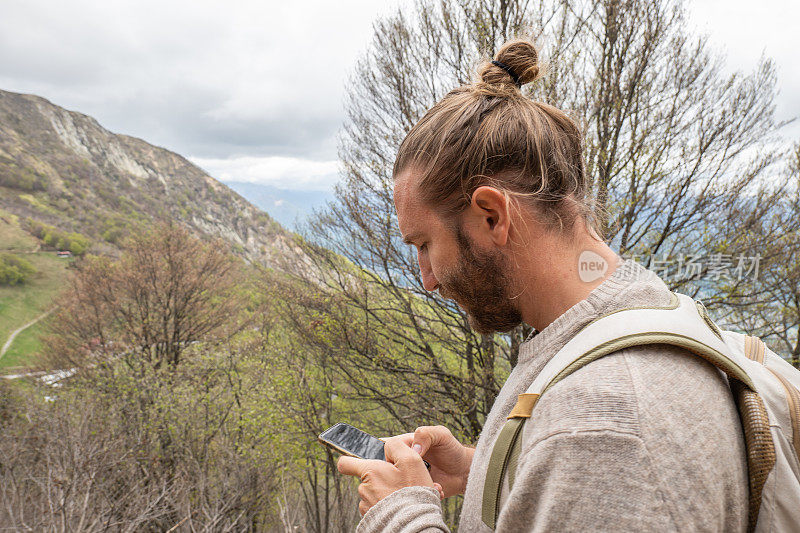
{"points": [[773, 305], [93, 458], [194, 447], [168, 290], [680, 155], [673, 149], [785, 280]]}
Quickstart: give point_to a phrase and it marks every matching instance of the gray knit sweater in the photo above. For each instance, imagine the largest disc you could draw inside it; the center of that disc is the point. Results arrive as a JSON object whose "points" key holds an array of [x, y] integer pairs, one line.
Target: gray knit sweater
{"points": [[646, 439]]}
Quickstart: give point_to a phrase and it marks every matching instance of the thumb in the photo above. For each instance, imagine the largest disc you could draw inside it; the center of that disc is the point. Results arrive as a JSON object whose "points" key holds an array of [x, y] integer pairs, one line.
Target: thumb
{"points": [[398, 451], [395, 449], [426, 437]]}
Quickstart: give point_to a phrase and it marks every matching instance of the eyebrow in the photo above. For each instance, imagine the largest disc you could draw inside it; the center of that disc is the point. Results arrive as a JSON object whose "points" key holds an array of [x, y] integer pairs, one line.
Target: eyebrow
{"points": [[409, 239]]}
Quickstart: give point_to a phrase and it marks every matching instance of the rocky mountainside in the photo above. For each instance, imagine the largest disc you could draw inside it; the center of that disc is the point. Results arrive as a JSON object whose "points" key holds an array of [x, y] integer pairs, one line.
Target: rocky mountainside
{"points": [[62, 169]]}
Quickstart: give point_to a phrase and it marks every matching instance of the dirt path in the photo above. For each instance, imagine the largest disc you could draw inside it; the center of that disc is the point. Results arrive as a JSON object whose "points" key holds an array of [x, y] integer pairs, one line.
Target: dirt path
{"points": [[17, 331]]}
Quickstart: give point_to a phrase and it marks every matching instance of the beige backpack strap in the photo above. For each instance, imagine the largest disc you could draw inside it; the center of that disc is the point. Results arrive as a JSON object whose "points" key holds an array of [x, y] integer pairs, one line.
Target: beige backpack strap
{"points": [[755, 349], [677, 325]]}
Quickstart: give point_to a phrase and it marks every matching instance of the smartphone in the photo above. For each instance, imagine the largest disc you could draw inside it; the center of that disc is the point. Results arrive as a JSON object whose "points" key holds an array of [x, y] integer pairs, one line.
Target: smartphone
{"points": [[348, 440]]}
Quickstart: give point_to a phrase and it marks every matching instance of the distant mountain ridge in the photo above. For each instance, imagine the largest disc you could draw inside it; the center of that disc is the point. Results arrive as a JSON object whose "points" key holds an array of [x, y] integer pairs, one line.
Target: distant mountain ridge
{"points": [[289, 207], [62, 168]]}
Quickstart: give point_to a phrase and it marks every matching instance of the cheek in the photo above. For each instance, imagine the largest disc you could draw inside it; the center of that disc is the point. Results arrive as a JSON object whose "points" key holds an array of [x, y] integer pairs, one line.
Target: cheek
{"points": [[434, 262], [445, 266]]}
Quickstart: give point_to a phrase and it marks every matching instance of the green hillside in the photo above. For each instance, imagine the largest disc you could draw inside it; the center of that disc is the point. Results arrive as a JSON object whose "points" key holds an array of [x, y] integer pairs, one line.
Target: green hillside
{"points": [[66, 183], [20, 304], [63, 170]]}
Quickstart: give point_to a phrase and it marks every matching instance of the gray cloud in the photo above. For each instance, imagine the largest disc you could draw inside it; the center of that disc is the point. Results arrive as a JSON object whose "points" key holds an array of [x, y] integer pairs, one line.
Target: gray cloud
{"points": [[744, 31], [202, 78], [246, 79]]}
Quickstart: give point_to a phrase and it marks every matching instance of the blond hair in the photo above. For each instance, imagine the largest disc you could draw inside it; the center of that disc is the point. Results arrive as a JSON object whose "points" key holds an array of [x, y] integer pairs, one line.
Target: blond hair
{"points": [[489, 133]]}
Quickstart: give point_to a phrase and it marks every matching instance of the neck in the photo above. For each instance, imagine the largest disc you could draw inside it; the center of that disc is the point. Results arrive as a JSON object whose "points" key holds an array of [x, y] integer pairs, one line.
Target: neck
{"points": [[561, 271]]}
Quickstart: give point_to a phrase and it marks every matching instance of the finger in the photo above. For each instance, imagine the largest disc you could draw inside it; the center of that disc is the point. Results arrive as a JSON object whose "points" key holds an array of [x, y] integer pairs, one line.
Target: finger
{"points": [[363, 507], [351, 466], [426, 437], [440, 489], [399, 452], [405, 439]]}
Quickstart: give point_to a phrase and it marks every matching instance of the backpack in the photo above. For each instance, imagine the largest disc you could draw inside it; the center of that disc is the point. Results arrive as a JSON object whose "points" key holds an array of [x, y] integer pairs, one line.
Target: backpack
{"points": [[764, 387]]}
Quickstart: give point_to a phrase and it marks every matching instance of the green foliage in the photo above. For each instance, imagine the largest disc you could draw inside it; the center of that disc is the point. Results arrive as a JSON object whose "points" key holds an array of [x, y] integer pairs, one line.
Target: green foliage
{"points": [[22, 179], [37, 204], [77, 243], [14, 270], [55, 238], [114, 230], [152, 445], [12, 236], [228, 424]]}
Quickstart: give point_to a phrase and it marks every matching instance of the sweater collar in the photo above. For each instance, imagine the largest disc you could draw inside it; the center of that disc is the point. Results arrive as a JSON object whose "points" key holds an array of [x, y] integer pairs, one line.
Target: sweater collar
{"points": [[627, 273]]}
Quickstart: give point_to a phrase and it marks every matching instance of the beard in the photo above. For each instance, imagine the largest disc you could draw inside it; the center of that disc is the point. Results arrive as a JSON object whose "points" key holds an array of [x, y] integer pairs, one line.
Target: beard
{"points": [[479, 284]]}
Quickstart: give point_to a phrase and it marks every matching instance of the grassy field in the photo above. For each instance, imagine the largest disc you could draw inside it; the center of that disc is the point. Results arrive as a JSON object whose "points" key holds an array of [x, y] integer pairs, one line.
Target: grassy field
{"points": [[12, 237], [25, 345], [22, 304]]}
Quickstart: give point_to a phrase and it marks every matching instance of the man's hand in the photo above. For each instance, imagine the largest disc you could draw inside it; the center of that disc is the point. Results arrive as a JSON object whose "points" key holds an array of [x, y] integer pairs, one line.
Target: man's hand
{"points": [[449, 459], [403, 468]]}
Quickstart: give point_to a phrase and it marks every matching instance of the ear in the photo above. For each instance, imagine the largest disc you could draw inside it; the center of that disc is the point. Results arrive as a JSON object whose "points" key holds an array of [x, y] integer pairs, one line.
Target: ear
{"points": [[490, 207]]}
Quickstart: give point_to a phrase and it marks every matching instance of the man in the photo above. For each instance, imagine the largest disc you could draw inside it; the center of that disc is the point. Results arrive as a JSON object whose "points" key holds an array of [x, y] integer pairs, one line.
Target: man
{"points": [[490, 189]]}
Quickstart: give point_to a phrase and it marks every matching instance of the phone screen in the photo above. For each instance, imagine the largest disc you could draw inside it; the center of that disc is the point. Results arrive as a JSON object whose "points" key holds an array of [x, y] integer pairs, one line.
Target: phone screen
{"points": [[351, 441]]}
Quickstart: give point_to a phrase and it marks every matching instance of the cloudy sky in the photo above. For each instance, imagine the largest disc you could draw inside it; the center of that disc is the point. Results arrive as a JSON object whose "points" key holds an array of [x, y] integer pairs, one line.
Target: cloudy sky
{"points": [[252, 90]]}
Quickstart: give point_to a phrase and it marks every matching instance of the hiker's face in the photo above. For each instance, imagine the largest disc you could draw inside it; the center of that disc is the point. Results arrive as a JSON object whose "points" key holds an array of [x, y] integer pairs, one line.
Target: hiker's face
{"points": [[451, 262], [479, 283]]}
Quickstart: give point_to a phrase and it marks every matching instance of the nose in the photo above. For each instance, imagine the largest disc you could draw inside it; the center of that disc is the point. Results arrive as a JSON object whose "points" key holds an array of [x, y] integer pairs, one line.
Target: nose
{"points": [[429, 281]]}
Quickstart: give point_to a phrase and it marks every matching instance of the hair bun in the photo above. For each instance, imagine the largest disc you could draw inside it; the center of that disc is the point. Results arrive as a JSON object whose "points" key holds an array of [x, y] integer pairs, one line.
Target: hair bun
{"points": [[519, 56]]}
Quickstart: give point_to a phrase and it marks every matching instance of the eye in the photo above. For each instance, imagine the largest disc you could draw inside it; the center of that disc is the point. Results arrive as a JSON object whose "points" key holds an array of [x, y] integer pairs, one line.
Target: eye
{"points": [[423, 247]]}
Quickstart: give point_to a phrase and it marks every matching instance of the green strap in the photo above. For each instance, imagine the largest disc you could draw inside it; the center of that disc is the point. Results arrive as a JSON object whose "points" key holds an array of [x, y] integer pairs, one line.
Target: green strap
{"points": [[511, 468], [498, 462]]}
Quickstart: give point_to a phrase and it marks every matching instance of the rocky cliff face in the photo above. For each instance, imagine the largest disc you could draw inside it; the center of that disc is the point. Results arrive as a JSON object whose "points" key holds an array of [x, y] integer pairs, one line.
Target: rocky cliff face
{"points": [[62, 168]]}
